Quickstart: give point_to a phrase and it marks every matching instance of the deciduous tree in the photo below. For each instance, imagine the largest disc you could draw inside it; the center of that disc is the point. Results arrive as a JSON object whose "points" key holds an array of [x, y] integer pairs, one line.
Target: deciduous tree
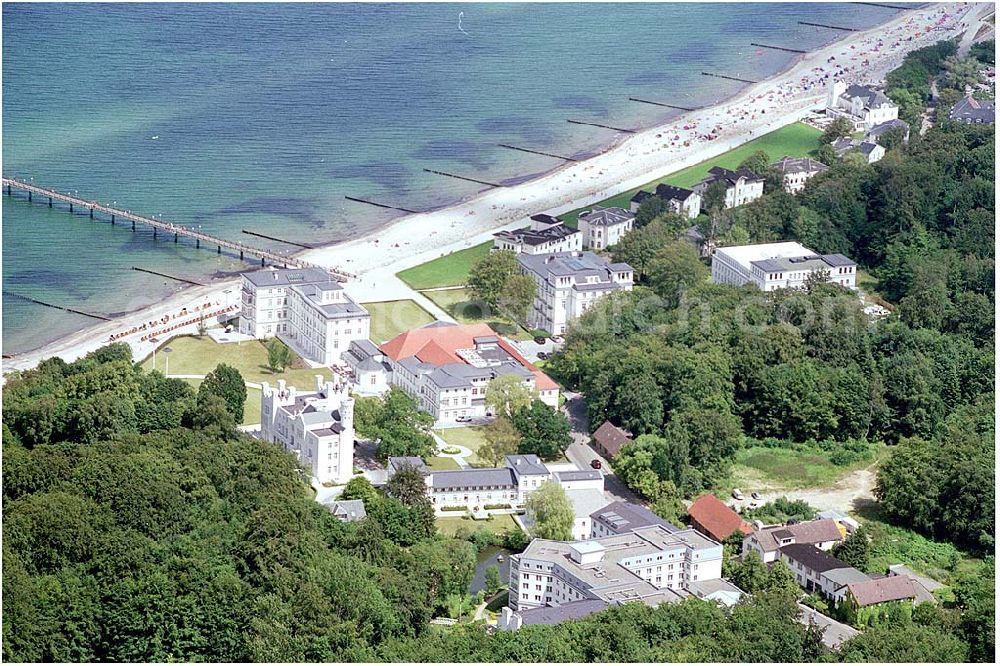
{"points": [[551, 511]]}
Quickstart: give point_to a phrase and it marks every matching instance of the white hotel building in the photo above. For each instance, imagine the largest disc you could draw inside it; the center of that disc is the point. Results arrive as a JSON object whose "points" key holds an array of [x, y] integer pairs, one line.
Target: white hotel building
{"points": [[567, 284], [317, 426], [773, 266], [306, 308], [648, 564]]}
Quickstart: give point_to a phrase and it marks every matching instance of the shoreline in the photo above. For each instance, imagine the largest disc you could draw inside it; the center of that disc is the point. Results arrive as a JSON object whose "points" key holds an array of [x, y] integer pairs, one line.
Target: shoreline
{"points": [[627, 162]]}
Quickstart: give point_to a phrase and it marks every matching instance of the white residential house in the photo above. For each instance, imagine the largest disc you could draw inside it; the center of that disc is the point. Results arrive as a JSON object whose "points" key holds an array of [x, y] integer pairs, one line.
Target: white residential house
{"points": [[545, 234], [865, 107], [370, 366], [678, 199], [603, 227], [742, 187], [649, 564], [306, 308], [317, 426], [446, 368], [767, 541], [797, 170], [871, 151], [773, 266], [817, 571], [567, 284]]}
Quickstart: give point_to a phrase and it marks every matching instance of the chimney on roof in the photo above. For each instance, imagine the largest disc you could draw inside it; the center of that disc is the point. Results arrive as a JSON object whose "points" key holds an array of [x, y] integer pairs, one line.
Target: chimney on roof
{"points": [[274, 274], [281, 386], [319, 383]]}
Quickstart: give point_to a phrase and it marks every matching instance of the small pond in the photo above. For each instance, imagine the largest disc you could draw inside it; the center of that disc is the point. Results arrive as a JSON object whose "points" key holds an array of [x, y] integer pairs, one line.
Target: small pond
{"points": [[488, 557]]}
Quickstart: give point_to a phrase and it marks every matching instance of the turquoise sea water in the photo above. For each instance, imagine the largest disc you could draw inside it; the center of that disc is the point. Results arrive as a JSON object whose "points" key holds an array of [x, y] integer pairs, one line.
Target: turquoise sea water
{"points": [[263, 117]]}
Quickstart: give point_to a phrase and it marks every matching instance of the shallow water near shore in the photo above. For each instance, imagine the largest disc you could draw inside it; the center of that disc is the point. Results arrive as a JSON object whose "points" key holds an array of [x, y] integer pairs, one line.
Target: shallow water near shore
{"points": [[263, 117]]}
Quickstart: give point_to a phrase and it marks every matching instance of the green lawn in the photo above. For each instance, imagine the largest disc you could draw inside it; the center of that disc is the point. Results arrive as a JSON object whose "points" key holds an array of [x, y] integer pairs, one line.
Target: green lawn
{"points": [[786, 469], [447, 271], [390, 318], [199, 356], [795, 140], [459, 304], [497, 524], [469, 437], [441, 464]]}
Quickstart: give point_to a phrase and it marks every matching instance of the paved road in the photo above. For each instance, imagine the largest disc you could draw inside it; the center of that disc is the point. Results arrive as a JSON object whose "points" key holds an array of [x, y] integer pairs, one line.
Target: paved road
{"points": [[580, 453]]}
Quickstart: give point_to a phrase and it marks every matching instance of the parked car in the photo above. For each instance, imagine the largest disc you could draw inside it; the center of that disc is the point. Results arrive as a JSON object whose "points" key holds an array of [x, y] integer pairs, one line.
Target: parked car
{"points": [[557, 339], [539, 340], [755, 495], [463, 419], [542, 356], [595, 463], [737, 494]]}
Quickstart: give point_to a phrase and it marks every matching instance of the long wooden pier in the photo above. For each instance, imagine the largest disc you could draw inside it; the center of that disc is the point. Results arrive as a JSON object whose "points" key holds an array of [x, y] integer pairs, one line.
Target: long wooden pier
{"points": [[243, 249]]}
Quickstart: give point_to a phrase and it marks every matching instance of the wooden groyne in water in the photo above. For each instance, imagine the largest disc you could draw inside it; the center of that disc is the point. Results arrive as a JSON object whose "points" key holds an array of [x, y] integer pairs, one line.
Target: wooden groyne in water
{"points": [[777, 48], [731, 78], [471, 180], [609, 127], [538, 152], [54, 306], [831, 27], [669, 106], [379, 205]]}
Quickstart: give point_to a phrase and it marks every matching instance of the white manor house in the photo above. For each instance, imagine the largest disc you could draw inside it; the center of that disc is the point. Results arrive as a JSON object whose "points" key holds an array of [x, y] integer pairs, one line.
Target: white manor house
{"points": [[317, 426], [773, 266]]}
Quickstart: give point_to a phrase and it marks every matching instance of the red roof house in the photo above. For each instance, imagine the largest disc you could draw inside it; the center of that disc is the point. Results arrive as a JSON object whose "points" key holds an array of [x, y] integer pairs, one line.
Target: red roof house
{"points": [[714, 519]]}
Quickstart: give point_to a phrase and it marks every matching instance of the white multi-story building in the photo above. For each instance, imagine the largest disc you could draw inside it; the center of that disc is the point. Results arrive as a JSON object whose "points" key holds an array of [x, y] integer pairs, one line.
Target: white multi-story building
{"points": [[773, 266], [567, 284], [306, 308], [649, 564], [544, 234], [797, 170], [317, 426], [446, 368], [865, 107], [603, 227], [678, 199], [624, 517], [742, 187]]}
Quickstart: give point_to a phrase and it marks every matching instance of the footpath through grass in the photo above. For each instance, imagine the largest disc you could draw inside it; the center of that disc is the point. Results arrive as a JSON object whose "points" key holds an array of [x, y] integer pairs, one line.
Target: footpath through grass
{"points": [[448, 271], [795, 140]]}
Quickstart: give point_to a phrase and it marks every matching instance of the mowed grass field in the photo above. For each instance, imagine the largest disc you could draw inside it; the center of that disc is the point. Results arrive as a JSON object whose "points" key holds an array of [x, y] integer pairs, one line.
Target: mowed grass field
{"points": [[470, 437], [796, 140], [502, 524], [460, 305], [448, 271], [198, 356], [390, 318]]}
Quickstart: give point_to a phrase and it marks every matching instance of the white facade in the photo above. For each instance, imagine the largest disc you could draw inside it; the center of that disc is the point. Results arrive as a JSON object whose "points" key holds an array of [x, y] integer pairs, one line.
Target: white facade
{"points": [[648, 564], [797, 170], [678, 199], [567, 284], [863, 106], [742, 187], [317, 426], [772, 266], [545, 234], [767, 541], [603, 227], [306, 308]]}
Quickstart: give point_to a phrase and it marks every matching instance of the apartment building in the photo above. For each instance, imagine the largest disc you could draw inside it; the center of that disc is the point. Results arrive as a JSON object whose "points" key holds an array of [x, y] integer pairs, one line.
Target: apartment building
{"points": [[545, 234], [306, 308], [624, 517], [567, 284], [446, 368], [742, 187], [603, 227], [648, 564], [796, 171], [864, 106], [316, 426], [818, 571], [773, 266], [678, 199], [767, 541]]}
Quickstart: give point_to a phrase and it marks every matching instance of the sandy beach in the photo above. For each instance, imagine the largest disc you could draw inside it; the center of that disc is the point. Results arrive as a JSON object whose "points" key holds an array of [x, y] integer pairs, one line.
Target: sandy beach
{"points": [[862, 57]]}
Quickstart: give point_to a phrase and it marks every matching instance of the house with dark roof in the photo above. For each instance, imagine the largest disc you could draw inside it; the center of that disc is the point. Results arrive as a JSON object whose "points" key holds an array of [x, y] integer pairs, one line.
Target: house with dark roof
{"points": [[713, 518], [797, 170], [370, 367], [604, 227], [824, 534], [866, 600], [544, 234], [864, 106], [679, 200], [972, 111], [871, 151], [567, 284], [623, 517], [742, 187], [347, 511], [818, 571], [446, 368], [609, 439], [875, 133]]}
